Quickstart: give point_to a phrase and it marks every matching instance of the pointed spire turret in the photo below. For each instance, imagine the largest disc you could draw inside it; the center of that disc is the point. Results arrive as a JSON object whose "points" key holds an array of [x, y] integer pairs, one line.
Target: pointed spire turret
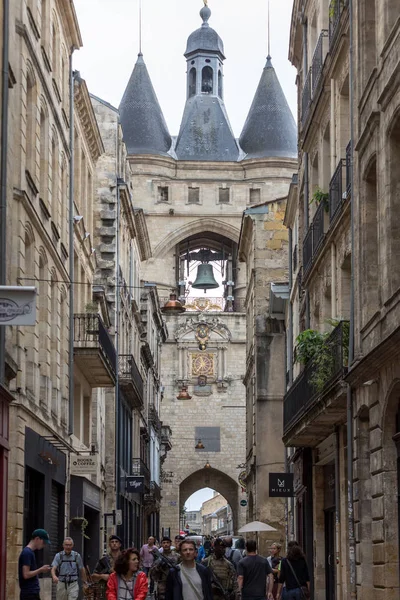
{"points": [[205, 132], [144, 128], [270, 129]]}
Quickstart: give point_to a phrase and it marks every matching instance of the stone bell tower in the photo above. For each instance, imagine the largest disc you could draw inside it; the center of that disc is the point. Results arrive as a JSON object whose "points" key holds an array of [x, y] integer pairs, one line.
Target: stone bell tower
{"points": [[193, 189]]}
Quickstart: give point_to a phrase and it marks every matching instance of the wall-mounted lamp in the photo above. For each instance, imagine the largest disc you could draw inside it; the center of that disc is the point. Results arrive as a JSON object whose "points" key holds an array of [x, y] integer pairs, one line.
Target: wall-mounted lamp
{"points": [[199, 445], [183, 394], [207, 465], [78, 218]]}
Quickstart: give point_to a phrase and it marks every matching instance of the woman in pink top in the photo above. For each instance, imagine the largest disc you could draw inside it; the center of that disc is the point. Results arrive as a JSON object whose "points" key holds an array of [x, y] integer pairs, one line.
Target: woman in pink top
{"points": [[148, 558]]}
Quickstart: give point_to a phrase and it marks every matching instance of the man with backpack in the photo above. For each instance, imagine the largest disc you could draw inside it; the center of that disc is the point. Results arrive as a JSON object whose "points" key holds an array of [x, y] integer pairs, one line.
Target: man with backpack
{"points": [[233, 555], [66, 569]]}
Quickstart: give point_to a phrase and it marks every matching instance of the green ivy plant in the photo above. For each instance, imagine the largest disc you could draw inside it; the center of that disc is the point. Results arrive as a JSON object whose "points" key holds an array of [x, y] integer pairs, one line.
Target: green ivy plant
{"points": [[319, 196], [83, 522], [308, 344]]}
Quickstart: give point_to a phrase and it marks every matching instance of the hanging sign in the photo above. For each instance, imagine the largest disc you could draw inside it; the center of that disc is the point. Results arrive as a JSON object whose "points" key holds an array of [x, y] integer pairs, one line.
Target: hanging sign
{"points": [[17, 305], [242, 479], [84, 465], [134, 484], [281, 485]]}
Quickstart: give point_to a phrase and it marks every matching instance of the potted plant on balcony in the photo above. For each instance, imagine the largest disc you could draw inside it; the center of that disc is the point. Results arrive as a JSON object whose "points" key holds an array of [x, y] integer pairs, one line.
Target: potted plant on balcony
{"points": [[320, 196], [308, 344], [82, 523]]}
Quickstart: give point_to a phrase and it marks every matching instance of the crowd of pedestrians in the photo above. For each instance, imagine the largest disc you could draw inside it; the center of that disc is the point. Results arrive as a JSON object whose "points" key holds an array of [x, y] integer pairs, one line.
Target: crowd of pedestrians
{"points": [[212, 570]]}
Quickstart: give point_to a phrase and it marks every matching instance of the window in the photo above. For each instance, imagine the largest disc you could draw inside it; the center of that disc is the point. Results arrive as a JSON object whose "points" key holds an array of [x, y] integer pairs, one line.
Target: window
{"points": [[192, 82], [224, 195], [162, 193], [194, 195], [220, 84], [255, 195], [210, 436], [207, 80]]}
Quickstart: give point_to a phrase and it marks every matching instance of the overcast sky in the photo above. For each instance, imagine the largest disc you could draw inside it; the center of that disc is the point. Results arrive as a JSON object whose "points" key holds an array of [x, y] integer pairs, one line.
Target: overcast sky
{"points": [[110, 35]]}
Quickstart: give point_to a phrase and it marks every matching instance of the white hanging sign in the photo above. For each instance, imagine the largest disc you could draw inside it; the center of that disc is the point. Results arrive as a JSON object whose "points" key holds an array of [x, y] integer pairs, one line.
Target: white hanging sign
{"points": [[84, 465], [17, 305]]}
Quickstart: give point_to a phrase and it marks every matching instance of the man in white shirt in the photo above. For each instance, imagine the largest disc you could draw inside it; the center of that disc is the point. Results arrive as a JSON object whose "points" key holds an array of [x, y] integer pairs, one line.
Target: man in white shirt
{"points": [[189, 580]]}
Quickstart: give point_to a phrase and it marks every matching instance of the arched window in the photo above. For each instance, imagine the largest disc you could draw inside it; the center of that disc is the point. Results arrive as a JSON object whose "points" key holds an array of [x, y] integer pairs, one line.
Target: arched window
{"points": [[370, 249], [192, 82], [394, 200], [30, 123], [207, 80], [44, 155], [220, 84]]}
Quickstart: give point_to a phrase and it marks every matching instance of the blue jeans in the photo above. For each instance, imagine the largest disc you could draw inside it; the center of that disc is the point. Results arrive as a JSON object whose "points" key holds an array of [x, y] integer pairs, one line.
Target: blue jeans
{"points": [[294, 594]]}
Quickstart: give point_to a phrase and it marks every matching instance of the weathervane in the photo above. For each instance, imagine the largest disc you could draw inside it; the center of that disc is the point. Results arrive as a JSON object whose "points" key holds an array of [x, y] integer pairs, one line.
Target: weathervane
{"points": [[205, 2]]}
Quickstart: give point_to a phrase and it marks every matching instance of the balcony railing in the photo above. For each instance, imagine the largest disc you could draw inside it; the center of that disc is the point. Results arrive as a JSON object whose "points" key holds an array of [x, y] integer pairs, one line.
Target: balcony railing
{"points": [[318, 226], [154, 419], [306, 98], [130, 380], [335, 12], [308, 249], [294, 260], [318, 60], [348, 170], [94, 350], [336, 191], [140, 468], [306, 389]]}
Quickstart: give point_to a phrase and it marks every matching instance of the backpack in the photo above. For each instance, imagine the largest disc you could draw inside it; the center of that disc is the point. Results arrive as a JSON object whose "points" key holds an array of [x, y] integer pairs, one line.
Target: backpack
{"points": [[230, 558], [75, 557]]}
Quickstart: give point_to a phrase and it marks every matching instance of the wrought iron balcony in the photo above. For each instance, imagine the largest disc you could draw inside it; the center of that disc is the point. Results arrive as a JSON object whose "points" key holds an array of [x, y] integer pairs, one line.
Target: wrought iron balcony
{"points": [[94, 351], [348, 170], [317, 63], [308, 249], [318, 227], [335, 12], [153, 498], [306, 98], [130, 380], [336, 198], [140, 468], [315, 382], [166, 434], [154, 419]]}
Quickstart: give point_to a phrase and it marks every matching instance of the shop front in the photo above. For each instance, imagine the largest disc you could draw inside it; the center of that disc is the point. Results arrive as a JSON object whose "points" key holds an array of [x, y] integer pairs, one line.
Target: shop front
{"points": [[5, 399], [85, 508]]}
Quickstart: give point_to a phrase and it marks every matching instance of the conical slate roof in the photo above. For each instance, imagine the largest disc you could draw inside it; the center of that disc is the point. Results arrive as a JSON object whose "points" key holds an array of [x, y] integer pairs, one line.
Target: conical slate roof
{"points": [[144, 128], [270, 129], [205, 132]]}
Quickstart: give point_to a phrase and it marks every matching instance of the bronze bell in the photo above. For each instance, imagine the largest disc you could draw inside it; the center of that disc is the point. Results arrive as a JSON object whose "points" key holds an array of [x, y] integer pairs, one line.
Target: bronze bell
{"points": [[205, 278], [173, 306], [183, 394]]}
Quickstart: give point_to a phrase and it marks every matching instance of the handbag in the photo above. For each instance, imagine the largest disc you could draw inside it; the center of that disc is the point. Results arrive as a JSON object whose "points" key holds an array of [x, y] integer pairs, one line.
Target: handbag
{"points": [[305, 592]]}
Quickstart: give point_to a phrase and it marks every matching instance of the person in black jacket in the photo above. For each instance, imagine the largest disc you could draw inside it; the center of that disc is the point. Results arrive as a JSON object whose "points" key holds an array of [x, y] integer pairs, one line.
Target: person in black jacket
{"points": [[294, 574], [189, 581]]}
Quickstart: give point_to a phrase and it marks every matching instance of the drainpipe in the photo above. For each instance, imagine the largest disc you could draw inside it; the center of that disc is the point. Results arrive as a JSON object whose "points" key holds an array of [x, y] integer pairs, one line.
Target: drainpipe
{"points": [[289, 338], [117, 310], [3, 176], [352, 544], [71, 248], [337, 511]]}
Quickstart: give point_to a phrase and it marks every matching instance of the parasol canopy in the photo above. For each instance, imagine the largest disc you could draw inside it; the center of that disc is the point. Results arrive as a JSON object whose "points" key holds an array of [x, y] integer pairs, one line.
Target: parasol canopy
{"points": [[256, 526]]}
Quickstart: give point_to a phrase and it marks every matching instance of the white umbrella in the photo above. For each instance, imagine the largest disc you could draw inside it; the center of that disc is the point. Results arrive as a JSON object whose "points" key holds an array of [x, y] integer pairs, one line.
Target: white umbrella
{"points": [[256, 526]]}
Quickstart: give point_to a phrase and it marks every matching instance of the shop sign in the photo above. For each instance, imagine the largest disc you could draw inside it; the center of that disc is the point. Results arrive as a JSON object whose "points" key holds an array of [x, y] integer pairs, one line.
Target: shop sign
{"points": [[281, 485], [243, 503], [84, 465], [17, 305], [134, 484], [242, 479]]}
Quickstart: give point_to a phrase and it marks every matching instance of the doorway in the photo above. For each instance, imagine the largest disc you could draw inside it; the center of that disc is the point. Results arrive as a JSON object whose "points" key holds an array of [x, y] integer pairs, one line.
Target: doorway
{"points": [[330, 568]]}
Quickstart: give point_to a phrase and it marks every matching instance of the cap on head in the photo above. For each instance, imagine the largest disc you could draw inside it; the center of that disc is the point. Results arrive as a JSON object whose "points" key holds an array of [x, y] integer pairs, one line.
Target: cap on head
{"points": [[115, 537], [166, 539], [42, 534]]}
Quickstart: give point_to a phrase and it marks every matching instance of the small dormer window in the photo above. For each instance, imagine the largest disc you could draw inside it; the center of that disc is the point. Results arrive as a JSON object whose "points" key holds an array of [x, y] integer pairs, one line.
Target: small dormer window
{"points": [[162, 193], [207, 80], [192, 82], [193, 195], [220, 84], [224, 195]]}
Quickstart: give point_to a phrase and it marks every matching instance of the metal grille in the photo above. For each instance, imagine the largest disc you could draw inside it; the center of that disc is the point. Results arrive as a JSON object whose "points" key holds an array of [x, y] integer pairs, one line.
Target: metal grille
{"points": [[318, 60], [306, 98], [307, 249], [318, 227], [336, 191]]}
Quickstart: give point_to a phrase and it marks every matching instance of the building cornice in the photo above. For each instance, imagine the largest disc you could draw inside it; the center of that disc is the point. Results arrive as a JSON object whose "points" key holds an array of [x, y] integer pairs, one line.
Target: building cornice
{"points": [[142, 234], [84, 108], [66, 10]]}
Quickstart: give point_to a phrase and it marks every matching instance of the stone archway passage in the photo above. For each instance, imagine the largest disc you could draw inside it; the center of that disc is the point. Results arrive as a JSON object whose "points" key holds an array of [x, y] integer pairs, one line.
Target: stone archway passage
{"points": [[216, 480]]}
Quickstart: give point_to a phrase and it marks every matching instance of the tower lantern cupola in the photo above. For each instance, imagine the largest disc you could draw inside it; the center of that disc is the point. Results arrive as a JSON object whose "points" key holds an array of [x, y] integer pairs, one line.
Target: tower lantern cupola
{"points": [[204, 55]]}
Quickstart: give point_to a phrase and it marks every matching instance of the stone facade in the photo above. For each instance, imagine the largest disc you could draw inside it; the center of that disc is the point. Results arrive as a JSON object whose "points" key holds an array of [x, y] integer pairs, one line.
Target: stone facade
{"points": [[341, 229]]}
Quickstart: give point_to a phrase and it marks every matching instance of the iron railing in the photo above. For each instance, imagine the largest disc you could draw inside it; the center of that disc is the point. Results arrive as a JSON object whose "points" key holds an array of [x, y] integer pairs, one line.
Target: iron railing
{"points": [[154, 419], [336, 191], [306, 98], [166, 434], [140, 468], [294, 259], [308, 249], [89, 332], [304, 392], [128, 372], [348, 170], [335, 12], [318, 226], [318, 61], [155, 490]]}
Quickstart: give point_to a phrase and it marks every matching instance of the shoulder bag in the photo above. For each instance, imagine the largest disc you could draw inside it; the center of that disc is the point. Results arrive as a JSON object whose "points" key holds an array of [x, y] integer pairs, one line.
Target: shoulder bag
{"points": [[187, 579], [305, 592]]}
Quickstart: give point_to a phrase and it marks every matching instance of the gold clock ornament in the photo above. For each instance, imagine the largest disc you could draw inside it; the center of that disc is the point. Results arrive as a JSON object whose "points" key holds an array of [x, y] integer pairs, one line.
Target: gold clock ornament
{"points": [[202, 335], [202, 364]]}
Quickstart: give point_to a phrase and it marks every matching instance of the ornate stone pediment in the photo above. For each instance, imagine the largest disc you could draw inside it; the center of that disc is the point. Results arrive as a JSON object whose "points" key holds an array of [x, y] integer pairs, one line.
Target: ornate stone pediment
{"points": [[194, 327]]}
